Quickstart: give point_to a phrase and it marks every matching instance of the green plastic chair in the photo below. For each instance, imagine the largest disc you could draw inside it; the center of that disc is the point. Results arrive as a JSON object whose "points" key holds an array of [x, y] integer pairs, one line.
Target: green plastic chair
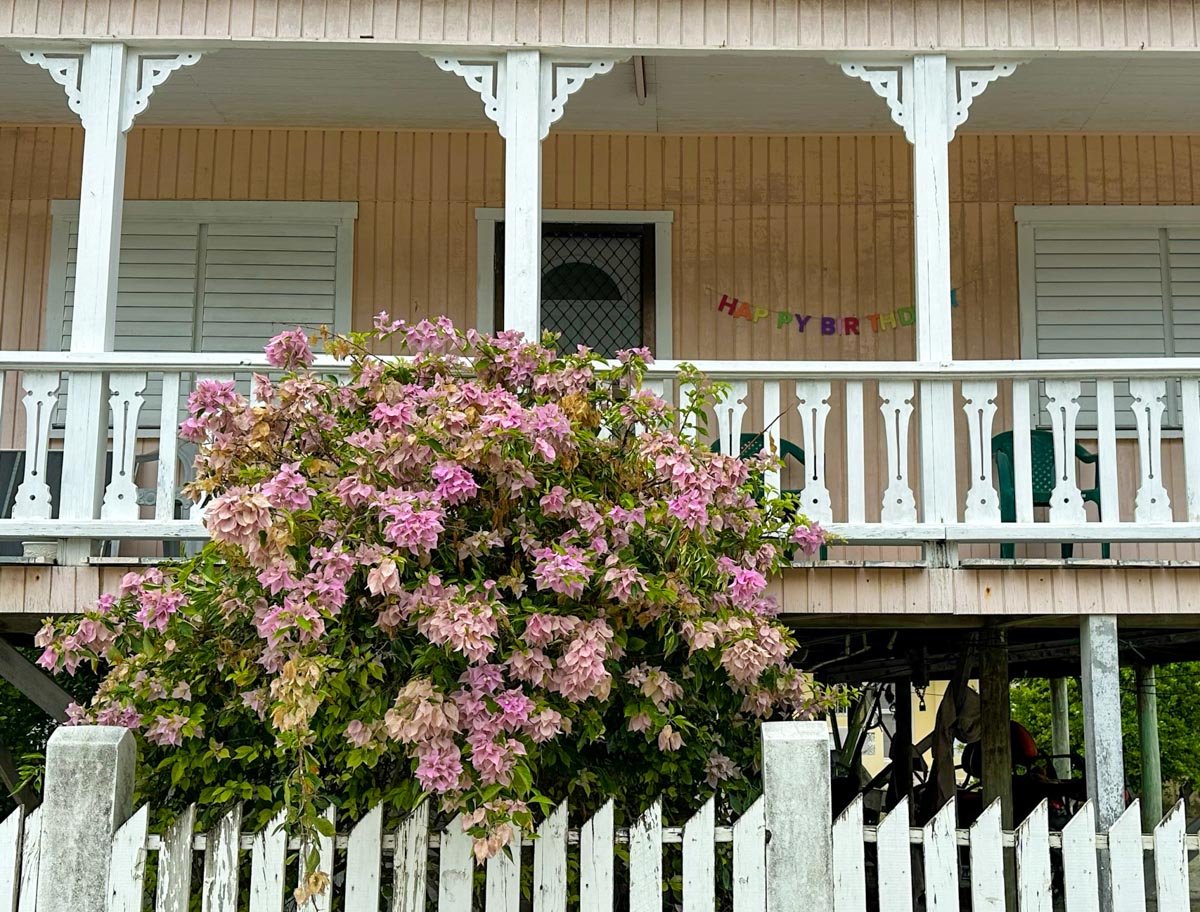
{"points": [[750, 445], [1041, 447]]}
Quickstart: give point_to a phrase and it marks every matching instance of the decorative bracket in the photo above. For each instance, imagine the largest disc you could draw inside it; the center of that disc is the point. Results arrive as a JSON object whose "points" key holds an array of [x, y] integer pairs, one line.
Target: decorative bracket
{"points": [[560, 79], [144, 72], [964, 83]]}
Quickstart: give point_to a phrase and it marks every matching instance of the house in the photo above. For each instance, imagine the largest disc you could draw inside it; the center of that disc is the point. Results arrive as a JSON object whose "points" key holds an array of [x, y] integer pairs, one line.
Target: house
{"points": [[900, 230]]}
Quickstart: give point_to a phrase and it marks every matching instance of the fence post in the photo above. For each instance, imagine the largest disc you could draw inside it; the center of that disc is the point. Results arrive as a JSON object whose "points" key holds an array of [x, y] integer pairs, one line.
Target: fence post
{"points": [[798, 816], [88, 795]]}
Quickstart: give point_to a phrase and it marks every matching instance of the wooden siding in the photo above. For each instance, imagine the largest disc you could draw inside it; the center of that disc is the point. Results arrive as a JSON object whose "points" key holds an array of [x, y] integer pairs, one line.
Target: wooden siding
{"points": [[811, 224], [762, 24]]}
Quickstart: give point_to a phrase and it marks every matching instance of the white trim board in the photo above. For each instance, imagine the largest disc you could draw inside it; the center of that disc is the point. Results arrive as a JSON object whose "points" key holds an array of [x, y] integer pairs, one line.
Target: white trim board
{"points": [[485, 274], [1159, 216]]}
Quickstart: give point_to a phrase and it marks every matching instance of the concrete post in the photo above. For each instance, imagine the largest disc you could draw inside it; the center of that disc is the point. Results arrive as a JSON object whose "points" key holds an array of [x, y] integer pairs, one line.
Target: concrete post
{"points": [[799, 816], [1102, 717], [1152, 786], [1060, 727], [88, 795]]}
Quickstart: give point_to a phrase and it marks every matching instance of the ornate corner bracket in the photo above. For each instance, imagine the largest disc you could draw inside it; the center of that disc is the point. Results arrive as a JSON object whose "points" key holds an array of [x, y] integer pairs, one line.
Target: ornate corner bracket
{"points": [[560, 79], [64, 68], [145, 71], [485, 77], [965, 82], [145, 74]]}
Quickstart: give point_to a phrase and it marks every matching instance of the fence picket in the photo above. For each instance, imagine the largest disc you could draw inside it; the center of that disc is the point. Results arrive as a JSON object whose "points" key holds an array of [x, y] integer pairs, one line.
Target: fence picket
{"points": [[596, 862], [1171, 862], [1033, 862], [1125, 861], [1080, 871], [127, 865], [503, 892], [987, 861], [550, 863], [750, 859], [364, 852], [455, 869], [268, 858], [941, 862], [645, 861], [175, 864], [322, 902], [849, 874], [895, 861], [410, 863], [220, 891], [10, 858], [700, 860], [31, 843]]}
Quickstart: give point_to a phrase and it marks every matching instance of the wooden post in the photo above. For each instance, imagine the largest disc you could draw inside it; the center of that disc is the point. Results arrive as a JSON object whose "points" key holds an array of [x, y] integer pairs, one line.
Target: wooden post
{"points": [[1152, 786], [1060, 727], [996, 709], [523, 193], [796, 793], [1100, 681], [901, 754]]}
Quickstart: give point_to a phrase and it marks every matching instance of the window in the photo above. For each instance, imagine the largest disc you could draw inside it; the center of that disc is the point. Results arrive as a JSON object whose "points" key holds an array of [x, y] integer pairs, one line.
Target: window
{"points": [[605, 278], [1110, 282], [212, 276]]}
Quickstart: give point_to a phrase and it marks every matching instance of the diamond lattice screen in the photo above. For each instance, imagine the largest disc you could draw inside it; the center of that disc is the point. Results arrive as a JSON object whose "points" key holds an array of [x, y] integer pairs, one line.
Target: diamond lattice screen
{"points": [[592, 290]]}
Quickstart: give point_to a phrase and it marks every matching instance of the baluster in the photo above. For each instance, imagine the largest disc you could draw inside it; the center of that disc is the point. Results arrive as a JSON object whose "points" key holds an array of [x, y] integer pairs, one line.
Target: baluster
{"points": [[1190, 403], [856, 476], [812, 402], [771, 419], [1022, 457], [896, 398], [33, 500], [1106, 431], [730, 412], [168, 449], [1152, 503], [125, 398], [1066, 503], [979, 405]]}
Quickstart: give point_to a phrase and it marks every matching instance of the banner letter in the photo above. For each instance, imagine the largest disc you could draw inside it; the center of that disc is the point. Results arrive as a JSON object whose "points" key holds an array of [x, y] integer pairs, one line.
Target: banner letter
{"points": [[743, 311], [887, 321], [874, 318], [782, 319], [728, 305], [801, 321], [759, 313], [907, 316], [828, 326], [850, 326]]}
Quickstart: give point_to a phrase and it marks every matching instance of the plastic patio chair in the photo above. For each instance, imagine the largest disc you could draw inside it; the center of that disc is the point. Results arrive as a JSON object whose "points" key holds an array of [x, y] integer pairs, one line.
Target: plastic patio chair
{"points": [[1041, 447], [750, 445]]}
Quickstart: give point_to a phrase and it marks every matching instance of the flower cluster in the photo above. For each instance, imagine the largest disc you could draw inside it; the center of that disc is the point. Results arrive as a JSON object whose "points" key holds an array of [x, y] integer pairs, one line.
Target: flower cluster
{"points": [[484, 571]]}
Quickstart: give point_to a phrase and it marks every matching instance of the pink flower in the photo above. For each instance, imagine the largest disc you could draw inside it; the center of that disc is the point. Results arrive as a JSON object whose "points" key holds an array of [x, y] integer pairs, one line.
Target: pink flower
{"points": [[288, 490], [515, 707], [719, 768], [358, 734], [544, 726], [439, 766], [157, 606], [384, 579], [562, 570], [289, 349], [810, 538], [639, 722], [746, 585], [167, 730], [669, 739], [238, 515], [454, 483]]}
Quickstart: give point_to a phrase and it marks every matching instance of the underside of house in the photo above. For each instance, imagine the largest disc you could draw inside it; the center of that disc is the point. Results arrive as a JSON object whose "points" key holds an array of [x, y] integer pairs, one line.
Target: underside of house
{"points": [[946, 258]]}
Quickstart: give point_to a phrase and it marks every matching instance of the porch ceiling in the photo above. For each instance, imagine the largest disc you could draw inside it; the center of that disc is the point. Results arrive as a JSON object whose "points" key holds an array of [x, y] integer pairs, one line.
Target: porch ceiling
{"points": [[723, 93]]}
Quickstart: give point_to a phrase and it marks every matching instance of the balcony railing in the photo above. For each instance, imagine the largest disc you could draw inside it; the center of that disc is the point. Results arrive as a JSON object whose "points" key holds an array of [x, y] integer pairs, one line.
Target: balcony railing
{"points": [[893, 452]]}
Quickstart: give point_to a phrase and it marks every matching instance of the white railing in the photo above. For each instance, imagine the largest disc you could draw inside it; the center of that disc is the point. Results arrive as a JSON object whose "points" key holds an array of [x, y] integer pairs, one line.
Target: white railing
{"points": [[894, 452], [782, 854]]}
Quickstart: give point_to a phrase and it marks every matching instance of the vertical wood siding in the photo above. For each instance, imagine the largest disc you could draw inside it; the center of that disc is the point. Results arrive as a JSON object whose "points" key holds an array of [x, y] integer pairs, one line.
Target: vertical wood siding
{"points": [[813, 24], [809, 224]]}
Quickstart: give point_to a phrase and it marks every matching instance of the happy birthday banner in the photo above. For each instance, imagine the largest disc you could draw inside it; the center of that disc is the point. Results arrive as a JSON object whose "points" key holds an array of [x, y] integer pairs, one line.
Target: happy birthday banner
{"points": [[822, 324]]}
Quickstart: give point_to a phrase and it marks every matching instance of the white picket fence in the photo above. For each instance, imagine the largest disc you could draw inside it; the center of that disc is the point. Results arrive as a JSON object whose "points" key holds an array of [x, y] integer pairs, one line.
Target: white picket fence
{"points": [[785, 856]]}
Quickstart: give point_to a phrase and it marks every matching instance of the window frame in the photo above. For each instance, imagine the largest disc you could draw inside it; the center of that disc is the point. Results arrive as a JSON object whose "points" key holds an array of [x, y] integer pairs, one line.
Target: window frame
{"points": [[64, 213], [487, 218]]}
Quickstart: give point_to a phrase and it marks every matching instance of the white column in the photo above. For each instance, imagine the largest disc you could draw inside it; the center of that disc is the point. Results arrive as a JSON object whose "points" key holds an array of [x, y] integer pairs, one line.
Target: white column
{"points": [[1060, 727], [523, 195], [523, 92], [1102, 716], [930, 97], [107, 86]]}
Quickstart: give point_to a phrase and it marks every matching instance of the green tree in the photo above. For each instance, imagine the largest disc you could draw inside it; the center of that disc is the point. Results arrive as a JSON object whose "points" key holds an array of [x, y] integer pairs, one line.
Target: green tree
{"points": [[1178, 688]]}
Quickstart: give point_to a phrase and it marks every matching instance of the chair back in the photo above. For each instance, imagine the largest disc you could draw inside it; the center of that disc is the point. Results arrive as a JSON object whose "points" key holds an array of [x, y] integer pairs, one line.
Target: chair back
{"points": [[750, 445], [1041, 451]]}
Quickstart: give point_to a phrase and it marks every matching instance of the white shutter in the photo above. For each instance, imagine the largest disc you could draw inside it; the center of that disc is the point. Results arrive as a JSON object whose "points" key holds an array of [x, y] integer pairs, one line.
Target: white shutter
{"points": [[156, 297], [262, 278], [1183, 246], [1099, 294]]}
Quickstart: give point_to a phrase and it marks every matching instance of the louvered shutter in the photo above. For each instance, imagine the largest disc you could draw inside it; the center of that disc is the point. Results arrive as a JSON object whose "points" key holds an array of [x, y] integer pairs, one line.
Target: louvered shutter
{"points": [[156, 297], [1099, 294], [1183, 250], [261, 278]]}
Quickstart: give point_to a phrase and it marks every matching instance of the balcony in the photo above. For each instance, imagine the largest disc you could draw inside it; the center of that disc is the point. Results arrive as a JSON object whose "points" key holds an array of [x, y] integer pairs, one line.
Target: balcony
{"points": [[897, 457]]}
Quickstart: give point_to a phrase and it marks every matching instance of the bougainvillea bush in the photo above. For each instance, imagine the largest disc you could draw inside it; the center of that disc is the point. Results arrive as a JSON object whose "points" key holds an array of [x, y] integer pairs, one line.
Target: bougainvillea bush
{"points": [[486, 573]]}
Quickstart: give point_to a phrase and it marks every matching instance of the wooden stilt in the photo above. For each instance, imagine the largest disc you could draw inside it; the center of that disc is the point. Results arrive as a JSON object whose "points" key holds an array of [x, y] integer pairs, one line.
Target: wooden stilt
{"points": [[1152, 786]]}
